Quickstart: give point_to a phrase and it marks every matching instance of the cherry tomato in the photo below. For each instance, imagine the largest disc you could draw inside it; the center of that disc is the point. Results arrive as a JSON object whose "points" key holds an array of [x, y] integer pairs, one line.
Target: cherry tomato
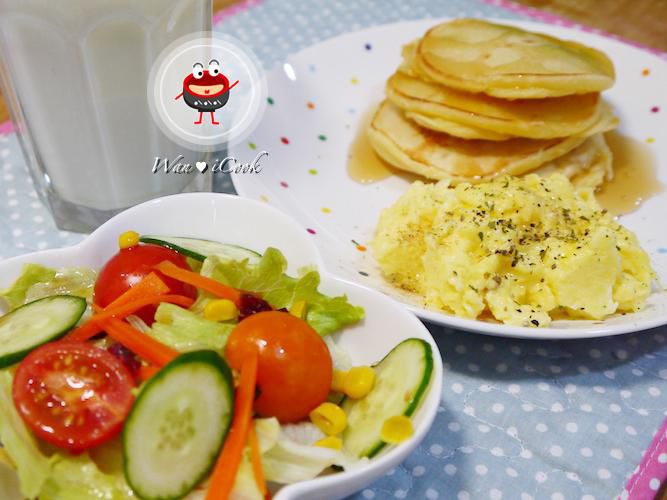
{"points": [[129, 266], [72, 394], [294, 370]]}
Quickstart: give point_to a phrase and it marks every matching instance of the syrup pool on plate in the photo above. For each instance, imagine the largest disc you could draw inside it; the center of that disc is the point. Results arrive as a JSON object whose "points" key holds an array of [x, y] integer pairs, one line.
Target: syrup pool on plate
{"points": [[634, 179], [635, 176], [363, 164]]}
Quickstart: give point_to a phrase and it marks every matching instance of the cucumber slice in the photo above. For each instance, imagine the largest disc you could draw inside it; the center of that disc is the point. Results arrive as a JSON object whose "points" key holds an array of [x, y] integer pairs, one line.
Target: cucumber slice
{"points": [[174, 432], [200, 249], [36, 323], [401, 380]]}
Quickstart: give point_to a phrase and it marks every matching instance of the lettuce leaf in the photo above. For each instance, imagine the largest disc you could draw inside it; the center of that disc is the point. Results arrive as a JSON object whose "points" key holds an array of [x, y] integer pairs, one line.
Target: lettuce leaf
{"points": [[245, 487], [341, 358], [31, 274], [186, 331], [32, 466], [79, 281], [78, 478], [37, 281], [288, 454], [10, 487], [55, 477], [325, 314], [300, 461]]}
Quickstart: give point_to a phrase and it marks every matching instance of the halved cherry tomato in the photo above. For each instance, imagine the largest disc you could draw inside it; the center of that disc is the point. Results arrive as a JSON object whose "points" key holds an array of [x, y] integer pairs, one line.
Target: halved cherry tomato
{"points": [[129, 266], [295, 368], [72, 394]]}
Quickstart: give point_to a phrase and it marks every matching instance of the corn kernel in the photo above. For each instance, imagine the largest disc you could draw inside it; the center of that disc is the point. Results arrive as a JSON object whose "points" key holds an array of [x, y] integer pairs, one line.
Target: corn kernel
{"points": [[359, 381], [338, 381], [329, 418], [220, 310], [330, 442], [298, 309], [396, 429], [128, 239]]}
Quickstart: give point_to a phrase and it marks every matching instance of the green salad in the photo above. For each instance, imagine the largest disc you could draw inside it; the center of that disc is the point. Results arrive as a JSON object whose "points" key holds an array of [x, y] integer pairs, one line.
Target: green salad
{"points": [[188, 368]]}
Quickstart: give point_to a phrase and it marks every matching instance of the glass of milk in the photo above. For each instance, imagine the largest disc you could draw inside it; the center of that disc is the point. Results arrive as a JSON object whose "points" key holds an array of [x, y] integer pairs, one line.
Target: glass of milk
{"points": [[74, 75]]}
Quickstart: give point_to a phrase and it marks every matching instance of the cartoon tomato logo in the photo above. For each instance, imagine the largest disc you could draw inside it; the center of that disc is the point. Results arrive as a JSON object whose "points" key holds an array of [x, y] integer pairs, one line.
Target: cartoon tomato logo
{"points": [[206, 90]]}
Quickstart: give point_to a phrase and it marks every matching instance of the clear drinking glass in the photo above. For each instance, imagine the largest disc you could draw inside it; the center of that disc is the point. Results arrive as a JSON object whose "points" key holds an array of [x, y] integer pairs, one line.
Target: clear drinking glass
{"points": [[74, 75]]}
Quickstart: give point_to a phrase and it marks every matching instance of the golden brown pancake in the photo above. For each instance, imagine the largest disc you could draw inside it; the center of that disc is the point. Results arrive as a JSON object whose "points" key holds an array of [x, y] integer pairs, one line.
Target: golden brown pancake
{"points": [[502, 61], [532, 118], [587, 166], [438, 124], [434, 155]]}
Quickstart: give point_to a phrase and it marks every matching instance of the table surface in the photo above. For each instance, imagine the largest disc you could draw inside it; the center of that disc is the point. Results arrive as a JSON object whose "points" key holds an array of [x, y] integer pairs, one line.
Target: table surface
{"points": [[518, 419]]}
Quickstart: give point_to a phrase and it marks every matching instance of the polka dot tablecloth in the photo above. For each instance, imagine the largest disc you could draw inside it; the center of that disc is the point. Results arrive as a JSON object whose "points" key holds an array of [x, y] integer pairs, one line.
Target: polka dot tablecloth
{"points": [[518, 419]]}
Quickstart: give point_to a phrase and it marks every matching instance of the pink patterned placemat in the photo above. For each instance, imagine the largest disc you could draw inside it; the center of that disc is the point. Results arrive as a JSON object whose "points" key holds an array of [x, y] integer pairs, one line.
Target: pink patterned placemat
{"points": [[651, 472], [6, 127], [234, 9]]}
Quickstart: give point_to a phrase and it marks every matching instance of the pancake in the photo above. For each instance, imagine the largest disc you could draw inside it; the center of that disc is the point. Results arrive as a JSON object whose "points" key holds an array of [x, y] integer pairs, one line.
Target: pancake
{"points": [[536, 119], [587, 166], [409, 147], [502, 61], [453, 128]]}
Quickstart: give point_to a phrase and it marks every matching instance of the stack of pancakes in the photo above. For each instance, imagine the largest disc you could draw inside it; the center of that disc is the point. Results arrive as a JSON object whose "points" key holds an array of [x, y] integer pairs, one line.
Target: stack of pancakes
{"points": [[473, 100]]}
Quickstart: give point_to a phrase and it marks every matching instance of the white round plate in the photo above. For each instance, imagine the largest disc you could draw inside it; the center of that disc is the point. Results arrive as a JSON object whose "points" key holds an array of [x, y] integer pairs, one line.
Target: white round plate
{"points": [[318, 98], [228, 218]]}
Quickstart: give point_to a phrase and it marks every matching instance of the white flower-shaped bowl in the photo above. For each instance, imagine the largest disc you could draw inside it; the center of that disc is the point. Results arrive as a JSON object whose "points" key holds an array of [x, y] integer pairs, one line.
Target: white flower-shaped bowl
{"points": [[257, 226]]}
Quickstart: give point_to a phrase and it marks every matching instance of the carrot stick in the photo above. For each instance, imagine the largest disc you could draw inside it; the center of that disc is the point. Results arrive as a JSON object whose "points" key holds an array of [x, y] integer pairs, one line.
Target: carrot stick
{"points": [[92, 326], [256, 458], [224, 473], [126, 309], [85, 331], [191, 278], [147, 371], [151, 284], [144, 346]]}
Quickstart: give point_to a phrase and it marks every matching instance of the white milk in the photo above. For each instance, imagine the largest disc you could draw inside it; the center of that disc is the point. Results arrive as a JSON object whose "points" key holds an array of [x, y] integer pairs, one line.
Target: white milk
{"points": [[80, 69]]}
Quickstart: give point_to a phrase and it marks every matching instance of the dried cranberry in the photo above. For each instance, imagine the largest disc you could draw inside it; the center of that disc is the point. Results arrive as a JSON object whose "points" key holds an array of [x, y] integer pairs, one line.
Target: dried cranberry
{"points": [[249, 305], [127, 357]]}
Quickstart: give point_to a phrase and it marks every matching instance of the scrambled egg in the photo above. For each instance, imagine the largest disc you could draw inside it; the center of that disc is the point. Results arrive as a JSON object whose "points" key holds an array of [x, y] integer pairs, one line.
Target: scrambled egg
{"points": [[526, 250]]}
